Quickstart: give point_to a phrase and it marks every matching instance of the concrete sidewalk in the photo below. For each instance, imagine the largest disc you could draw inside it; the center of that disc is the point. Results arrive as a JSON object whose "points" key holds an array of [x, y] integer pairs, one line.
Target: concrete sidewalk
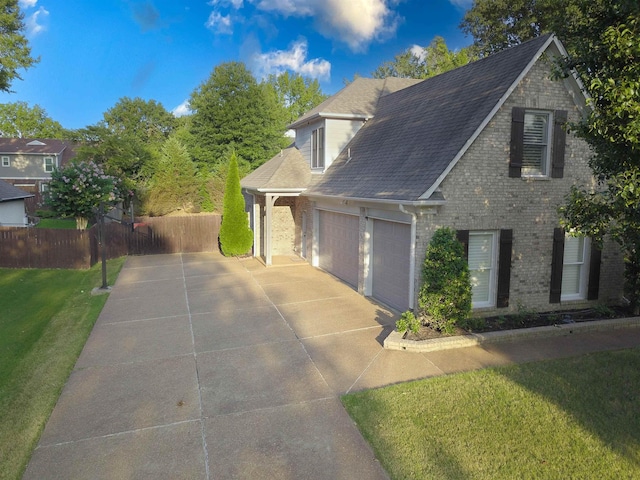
{"points": [[202, 367]]}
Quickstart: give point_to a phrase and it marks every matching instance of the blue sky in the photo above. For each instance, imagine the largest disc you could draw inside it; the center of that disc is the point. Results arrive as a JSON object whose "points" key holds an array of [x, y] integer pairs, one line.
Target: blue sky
{"points": [[94, 52]]}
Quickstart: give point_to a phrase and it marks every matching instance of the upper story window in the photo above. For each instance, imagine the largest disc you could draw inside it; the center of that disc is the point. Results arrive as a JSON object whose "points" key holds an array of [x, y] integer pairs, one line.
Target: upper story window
{"points": [[6, 161], [536, 148], [537, 143], [48, 164], [317, 148]]}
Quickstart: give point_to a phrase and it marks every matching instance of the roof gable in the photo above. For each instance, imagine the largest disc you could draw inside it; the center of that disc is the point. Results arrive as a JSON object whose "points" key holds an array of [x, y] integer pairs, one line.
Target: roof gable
{"points": [[359, 99], [287, 171], [419, 133], [33, 146]]}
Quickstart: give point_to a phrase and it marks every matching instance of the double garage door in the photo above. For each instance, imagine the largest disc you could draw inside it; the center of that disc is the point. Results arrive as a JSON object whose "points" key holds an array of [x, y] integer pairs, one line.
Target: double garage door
{"points": [[338, 248]]}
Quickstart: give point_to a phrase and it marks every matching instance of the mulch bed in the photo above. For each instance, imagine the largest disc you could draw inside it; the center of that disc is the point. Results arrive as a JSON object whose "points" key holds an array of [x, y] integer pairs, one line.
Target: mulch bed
{"points": [[526, 320]]}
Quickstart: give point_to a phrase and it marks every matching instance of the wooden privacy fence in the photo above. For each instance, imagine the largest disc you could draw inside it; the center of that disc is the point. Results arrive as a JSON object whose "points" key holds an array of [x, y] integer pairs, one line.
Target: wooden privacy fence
{"points": [[47, 248]]}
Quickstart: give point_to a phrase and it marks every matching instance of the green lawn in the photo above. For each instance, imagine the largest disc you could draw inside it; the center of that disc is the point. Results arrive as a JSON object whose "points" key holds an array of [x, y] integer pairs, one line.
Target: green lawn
{"points": [[58, 223], [571, 419], [45, 319]]}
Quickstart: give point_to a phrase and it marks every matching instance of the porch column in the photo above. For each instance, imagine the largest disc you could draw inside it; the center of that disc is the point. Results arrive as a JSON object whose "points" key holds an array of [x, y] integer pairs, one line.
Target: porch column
{"points": [[270, 201]]}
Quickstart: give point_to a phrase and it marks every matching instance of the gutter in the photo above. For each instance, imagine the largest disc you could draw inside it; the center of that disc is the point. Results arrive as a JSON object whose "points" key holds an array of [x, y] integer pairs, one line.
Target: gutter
{"points": [[402, 203]]}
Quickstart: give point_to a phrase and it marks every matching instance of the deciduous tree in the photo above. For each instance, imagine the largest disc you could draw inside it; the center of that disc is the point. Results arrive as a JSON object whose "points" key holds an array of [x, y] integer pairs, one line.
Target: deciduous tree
{"points": [[78, 189], [233, 112], [19, 120], [424, 62], [15, 52]]}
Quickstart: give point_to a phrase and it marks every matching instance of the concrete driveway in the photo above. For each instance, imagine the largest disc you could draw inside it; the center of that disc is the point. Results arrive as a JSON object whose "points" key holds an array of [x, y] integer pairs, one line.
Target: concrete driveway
{"points": [[203, 367]]}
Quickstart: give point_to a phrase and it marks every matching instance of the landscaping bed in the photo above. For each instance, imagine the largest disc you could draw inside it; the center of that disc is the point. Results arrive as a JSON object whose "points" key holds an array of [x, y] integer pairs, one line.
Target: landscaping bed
{"points": [[525, 319]]}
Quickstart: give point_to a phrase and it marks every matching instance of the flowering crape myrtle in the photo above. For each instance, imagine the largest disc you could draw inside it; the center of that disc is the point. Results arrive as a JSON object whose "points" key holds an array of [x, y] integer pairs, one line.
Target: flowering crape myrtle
{"points": [[78, 189]]}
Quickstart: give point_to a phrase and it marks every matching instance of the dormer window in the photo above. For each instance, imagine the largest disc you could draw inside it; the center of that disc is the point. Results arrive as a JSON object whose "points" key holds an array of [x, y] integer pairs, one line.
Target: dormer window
{"points": [[317, 148]]}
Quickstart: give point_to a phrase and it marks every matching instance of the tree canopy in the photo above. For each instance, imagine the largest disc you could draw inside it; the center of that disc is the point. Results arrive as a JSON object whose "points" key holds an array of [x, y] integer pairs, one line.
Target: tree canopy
{"points": [[146, 121], [232, 111], [498, 24], [427, 62], [295, 94], [19, 120], [612, 129], [15, 52]]}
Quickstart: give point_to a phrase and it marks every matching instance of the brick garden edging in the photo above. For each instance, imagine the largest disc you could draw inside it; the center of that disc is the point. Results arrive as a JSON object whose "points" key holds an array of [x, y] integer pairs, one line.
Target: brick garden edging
{"points": [[395, 341]]}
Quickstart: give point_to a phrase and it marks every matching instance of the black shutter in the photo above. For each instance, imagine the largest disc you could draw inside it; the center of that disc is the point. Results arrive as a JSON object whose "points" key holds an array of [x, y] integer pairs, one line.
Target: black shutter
{"points": [[594, 272], [517, 139], [504, 268], [463, 238], [556, 265], [559, 141]]}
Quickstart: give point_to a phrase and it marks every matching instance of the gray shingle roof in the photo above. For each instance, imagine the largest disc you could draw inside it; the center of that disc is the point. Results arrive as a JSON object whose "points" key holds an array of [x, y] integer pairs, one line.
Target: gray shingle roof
{"points": [[417, 132], [287, 170], [359, 98], [8, 192], [41, 146]]}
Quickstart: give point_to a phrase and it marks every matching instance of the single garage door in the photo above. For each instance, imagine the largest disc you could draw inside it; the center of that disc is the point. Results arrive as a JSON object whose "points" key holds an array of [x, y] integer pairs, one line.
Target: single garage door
{"points": [[391, 253], [338, 242]]}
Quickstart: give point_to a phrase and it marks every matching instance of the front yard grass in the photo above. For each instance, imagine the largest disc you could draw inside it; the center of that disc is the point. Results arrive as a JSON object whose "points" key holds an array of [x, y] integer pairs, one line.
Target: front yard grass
{"points": [[45, 319], [570, 418]]}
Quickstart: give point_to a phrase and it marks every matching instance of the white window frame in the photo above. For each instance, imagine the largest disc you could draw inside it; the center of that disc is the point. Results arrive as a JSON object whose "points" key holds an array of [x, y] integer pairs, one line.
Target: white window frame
{"points": [[6, 161], [44, 187], [493, 269], [584, 270], [44, 163], [317, 148], [545, 165]]}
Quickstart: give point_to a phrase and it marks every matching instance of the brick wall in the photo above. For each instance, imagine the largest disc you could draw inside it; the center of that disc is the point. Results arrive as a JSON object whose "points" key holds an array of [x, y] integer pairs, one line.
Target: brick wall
{"points": [[481, 196]]}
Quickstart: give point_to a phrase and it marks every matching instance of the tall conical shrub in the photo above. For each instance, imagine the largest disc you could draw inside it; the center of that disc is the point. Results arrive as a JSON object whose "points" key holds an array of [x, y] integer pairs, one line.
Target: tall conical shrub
{"points": [[236, 237]]}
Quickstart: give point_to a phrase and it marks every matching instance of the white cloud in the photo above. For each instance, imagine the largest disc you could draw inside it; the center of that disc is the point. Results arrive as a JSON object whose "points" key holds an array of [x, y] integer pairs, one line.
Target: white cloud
{"points": [[463, 4], [294, 59], [225, 3], [219, 23], [418, 52], [32, 22], [27, 3], [354, 22], [182, 109]]}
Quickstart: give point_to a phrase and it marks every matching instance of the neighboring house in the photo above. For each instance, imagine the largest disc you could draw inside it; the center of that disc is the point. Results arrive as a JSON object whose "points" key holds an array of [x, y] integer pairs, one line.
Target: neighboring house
{"points": [[28, 163], [12, 206], [483, 149]]}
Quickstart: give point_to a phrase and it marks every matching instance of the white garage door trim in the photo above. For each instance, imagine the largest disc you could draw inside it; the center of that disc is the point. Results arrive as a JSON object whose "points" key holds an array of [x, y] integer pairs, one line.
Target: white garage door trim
{"points": [[338, 245], [391, 263]]}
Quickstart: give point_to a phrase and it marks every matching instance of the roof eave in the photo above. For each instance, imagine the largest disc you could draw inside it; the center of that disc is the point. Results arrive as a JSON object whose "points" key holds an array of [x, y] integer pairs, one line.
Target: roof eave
{"points": [[340, 116], [388, 201]]}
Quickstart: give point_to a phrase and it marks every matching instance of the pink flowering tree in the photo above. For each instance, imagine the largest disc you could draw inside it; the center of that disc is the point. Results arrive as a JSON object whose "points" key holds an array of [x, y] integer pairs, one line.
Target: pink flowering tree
{"points": [[78, 189]]}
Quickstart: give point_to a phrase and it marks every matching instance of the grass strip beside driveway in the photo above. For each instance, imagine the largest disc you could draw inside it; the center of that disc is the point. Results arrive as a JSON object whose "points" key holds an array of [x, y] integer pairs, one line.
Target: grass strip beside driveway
{"points": [[45, 320], [570, 418]]}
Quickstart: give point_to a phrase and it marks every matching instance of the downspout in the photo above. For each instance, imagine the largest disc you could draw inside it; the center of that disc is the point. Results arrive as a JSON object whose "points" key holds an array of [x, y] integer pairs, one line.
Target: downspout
{"points": [[412, 262]]}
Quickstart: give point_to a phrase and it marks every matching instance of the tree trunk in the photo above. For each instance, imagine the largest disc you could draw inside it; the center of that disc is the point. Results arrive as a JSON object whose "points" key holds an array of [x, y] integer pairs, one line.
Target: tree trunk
{"points": [[81, 223]]}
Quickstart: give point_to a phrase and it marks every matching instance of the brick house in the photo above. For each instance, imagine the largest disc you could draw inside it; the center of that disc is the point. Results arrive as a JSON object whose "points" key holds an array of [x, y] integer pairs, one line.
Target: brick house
{"points": [[483, 149], [27, 164]]}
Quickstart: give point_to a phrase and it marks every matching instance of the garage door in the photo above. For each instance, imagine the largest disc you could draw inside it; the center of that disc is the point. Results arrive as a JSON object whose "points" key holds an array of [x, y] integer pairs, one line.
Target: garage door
{"points": [[338, 245], [391, 253]]}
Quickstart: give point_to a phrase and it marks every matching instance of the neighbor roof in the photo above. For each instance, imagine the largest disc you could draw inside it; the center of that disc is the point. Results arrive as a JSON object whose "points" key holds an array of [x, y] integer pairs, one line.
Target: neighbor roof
{"points": [[418, 133], [39, 146], [288, 170], [359, 99], [8, 192]]}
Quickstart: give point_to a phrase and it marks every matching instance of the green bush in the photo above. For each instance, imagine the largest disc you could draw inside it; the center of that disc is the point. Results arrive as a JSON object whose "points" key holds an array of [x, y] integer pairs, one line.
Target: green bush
{"points": [[236, 237], [408, 321], [445, 295]]}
